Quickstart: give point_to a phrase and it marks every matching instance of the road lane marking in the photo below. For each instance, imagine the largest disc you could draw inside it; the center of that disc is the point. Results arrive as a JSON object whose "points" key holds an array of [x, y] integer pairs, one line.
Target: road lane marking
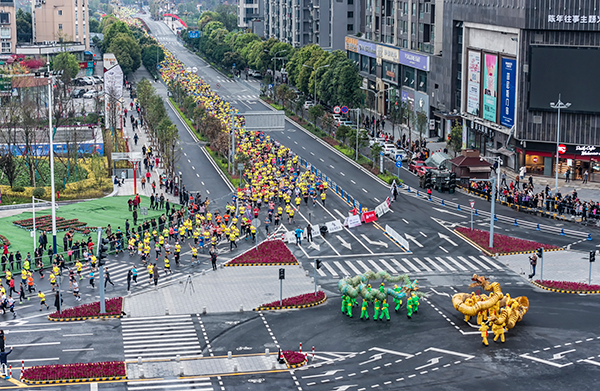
{"points": [[443, 249], [441, 269], [405, 221], [400, 266], [364, 190], [483, 265], [351, 180], [460, 266], [351, 266], [375, 265], [342, 174], [77, 350]]}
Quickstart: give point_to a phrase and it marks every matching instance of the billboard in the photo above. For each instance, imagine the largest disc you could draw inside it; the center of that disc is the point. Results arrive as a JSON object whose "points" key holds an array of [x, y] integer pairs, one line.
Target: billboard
{"points": [[473, 82], [569, 71], [490, 90], [113, 88], [508, 92]]}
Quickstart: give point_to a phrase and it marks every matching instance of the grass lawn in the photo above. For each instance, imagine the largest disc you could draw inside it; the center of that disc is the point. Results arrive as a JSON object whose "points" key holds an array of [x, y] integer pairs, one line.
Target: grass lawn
{"points": [[100, 212]]}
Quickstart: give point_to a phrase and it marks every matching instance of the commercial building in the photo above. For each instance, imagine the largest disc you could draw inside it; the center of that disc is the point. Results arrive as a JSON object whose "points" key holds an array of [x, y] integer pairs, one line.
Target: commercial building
{"points": [[303, 22], [60, 20], [8, 29]]}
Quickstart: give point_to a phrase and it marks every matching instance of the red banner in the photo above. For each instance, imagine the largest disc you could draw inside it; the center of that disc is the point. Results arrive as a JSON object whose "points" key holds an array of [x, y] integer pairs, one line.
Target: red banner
{"points": [[369, 217]]}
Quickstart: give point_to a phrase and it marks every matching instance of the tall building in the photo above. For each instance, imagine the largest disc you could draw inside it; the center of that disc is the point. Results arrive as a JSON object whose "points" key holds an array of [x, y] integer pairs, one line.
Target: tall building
{"points": [[8, 28], [249, 11], [497, 67], [302, 22], [60, 20]]}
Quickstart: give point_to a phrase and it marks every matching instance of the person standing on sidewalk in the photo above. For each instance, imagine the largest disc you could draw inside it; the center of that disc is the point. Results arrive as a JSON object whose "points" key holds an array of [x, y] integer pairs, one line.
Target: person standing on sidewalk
{"points": [[213, 259], [309, 236], [155, 274], [533, 263], [585, 176], [129, 276]]}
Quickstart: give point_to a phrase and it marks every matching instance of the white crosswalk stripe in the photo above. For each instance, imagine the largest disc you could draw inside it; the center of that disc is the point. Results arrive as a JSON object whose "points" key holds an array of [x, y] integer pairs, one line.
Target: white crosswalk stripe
{"points": [[160, 337], [201, 383], [414, 265]]}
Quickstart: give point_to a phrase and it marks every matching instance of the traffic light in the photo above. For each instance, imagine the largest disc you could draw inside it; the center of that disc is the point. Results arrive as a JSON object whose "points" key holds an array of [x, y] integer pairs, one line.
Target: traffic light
{"points": [[540, 252], [428, 183], [452, 183], [282, 274], [318, 263], [592, 256], [102, 251]]}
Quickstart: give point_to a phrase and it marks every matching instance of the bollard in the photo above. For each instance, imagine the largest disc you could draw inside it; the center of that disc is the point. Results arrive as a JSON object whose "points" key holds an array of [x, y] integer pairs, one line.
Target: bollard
{"points": [[589, 237], [458, 207], [141, 372], [273, 365], [516, 224], [443, 203], [10, 371], [300, 347], [313, 350], [430, 198], [562, 232], [408, 188], [476, 214], [235, 367], [307, 273], [181, 372], [241, 308], [417, 193], [538, 228], [495, 218], [139, 360], [22, 369], [178, 358], [229, 354], [166, 311], [203, 310], [203, 272], [267, 352]]}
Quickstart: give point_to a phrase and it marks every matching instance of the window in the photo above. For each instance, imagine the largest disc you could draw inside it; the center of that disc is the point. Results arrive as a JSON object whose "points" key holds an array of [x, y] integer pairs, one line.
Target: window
{"points": [[6, 47], [5, 32], [421, 27], [414, 9], [421, 9], [350, 27], [60, 26], [350, 2], [350, 14], [76, 29], [4, 18], [59, 12], [412, 28]]}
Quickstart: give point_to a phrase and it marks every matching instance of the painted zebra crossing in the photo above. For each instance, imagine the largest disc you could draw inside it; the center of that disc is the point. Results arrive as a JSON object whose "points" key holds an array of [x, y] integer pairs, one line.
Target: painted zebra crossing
{"points": [[199, 384], [413, 265], [160, 337]]}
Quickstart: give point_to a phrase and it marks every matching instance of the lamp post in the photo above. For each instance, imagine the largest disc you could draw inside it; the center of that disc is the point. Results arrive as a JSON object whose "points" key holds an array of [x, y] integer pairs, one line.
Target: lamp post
{"points": [[357, 129], [275, 61], [52, 189], [497, 186], [376, 93], [558, 105], [316, 70]]}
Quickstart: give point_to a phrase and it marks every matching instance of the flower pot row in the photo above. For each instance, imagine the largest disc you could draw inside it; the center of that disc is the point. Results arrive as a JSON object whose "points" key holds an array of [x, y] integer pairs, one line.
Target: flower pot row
{"points": [[72, 373]]}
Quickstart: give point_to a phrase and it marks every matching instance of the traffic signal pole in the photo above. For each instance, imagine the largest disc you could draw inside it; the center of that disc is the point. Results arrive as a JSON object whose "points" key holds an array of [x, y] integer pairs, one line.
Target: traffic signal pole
{"points": [[101, 271], [541, 250]]}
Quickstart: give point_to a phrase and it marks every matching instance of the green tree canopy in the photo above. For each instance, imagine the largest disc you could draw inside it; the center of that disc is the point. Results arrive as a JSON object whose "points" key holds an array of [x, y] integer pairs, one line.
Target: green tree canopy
{"points": [[66, 62], [24, 29], [149, 56], [94, 25], [111, 32], [127, 51]]}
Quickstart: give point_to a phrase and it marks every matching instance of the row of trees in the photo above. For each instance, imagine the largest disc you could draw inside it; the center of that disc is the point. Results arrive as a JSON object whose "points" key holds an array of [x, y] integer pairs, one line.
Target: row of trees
{"points": [[163, 132]]}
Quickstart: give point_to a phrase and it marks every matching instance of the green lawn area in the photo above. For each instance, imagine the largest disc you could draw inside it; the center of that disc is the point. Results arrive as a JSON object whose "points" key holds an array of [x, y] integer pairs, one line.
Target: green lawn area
{"points": [[100, 212]]}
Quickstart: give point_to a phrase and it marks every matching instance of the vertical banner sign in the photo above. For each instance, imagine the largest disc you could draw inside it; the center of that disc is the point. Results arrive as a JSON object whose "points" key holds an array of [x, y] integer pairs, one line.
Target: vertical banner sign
{"points": [[490, 92], [507, 92], [473, 82]]}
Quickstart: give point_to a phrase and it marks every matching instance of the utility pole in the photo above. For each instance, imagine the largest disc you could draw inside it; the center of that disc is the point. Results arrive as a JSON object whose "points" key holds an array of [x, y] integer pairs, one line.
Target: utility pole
{"points": [[101, 252]]}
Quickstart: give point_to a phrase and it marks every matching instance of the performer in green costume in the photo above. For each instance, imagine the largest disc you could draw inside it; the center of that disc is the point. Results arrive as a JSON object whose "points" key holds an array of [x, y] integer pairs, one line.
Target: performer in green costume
{"points": [[385, 311], [363, 312]]}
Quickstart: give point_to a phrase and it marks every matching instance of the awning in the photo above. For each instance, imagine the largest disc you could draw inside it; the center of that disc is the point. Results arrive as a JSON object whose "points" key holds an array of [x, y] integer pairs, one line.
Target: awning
{"points": [[480, 169], [505, 151]]}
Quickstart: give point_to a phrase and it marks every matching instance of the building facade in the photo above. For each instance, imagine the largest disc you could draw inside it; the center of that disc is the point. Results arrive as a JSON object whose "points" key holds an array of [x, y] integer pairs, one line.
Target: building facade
{"points": [[60, 20], [8, 28], [249, 12]]}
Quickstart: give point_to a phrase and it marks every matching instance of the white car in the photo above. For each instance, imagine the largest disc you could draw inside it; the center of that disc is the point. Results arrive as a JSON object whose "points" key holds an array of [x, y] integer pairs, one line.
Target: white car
{"points": [[389, 149], [346, 123], [377, 140], [91, 94], [308, 104]]}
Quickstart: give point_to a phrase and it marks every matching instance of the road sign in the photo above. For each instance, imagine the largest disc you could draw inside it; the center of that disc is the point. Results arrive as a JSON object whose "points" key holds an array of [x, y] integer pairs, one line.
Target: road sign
{"points": [[472, 204], [144, 211], [337, 109], [194, 34], [399, 158], [344, 109], [398, 164], [218, 85], [240, 166], [256, 223], [234, 64], [381, 153], [562, 148], [262, 84]]}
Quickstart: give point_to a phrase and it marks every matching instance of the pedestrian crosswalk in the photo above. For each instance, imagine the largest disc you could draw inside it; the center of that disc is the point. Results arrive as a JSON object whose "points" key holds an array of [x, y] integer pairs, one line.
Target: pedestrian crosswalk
{"points": [[200, 384], [160, 337], [233, 98], [412, 265]]}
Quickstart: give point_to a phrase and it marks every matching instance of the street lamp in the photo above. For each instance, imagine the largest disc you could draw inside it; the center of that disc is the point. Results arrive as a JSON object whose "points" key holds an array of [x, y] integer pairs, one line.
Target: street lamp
{"points": [[558, 105], [275, 60], [52, 189], [493, 209], [376, 93], [357, 129], [316, 70]]}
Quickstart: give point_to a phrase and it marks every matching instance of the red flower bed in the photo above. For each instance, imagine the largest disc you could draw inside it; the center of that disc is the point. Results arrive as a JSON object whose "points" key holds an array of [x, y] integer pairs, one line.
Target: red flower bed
{"points": [[568, 285], [4, 241], [307, 298], [293, 357], [44, 223], [75, 371], [502, 243], [112, 306], [271, 251]]}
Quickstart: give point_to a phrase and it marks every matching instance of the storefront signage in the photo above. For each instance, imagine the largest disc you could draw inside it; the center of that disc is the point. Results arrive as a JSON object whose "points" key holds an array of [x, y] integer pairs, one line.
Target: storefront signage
{"points": [[388, 54], [535, 159], [489, 132], [414, 60], [351, 44], [473, 82], [574, 19], [507, 91], [391, 75], [587, 150], [367, 49], [562, 149]]}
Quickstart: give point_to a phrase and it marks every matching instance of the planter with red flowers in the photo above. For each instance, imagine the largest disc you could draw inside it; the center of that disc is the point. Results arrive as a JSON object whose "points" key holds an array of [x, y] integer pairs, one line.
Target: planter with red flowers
{"points": [[268, 253], [75, 373], [567, 287], [503, 245], [301, 301], [293, 359], [114, 309], [44, 223], [4, 241]]}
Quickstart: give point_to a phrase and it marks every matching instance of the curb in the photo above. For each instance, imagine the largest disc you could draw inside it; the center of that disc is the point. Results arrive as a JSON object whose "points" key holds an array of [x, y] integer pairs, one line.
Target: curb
{"points": [[563, 291], [529, 252], [292, 366], [500, 254], [291, 306], [84, 318], [261, 264], [63, 381]]}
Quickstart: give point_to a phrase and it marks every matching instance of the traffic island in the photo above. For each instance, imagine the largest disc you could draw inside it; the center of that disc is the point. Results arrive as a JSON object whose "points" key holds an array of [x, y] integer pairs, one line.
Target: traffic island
{"points": [[503, 245], [301, 301], [75, 373], [268, 253], [113, 307], [576, 288], [294, 359]]}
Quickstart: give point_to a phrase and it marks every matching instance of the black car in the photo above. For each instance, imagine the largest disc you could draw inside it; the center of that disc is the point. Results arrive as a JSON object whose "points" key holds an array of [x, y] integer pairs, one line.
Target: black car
{"points": [[78, 93]]}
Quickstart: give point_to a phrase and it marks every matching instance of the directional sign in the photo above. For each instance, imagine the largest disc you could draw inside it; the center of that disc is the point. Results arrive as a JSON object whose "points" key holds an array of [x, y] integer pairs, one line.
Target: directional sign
{"points": [[337, 109], [194, 34], [344, 109], [399, 164], [472, 204]]}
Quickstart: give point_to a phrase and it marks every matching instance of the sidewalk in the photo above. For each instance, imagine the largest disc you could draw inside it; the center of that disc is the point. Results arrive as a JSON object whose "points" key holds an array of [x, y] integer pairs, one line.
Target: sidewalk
{"points": [[573, 266], [224, 290]]}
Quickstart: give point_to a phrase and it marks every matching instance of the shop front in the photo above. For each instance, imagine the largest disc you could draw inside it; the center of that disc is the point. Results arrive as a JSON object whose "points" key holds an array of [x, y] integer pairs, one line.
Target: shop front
{"points": [[478, 136], [540, 159]]}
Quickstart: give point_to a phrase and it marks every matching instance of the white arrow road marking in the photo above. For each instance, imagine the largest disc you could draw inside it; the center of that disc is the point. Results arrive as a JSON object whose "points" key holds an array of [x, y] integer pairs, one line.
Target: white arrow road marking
{"points": [[413, 239], [422, 233], [378, 242], [432, 361], [374, 357], [315, 246], [344, 388], [466, 356], [344, 243], [443, 249], [560, 355], [526, 355], [439, 293], [393, 352], [447, 238], [448, 212]]}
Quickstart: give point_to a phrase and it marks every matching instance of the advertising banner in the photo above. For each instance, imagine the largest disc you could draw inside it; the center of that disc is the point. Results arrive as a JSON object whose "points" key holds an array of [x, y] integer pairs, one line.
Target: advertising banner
{"points": [[369, 216], [387, 53], [351, 44], [507, 91], [367, 49], [473, 82], [414, 60], [490, 90]]}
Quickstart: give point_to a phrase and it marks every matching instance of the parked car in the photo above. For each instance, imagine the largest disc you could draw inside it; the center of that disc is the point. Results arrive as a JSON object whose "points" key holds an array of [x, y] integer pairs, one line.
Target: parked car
{"points": [[91, 94], [346, 123], [308, 104], [419, 167], [389, 149], [98, 79], [256, 74], [377, 140], [77, 93]]}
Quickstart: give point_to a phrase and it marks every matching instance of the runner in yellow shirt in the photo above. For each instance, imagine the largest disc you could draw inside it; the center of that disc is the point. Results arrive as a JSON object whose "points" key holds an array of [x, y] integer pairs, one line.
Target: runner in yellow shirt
{"points": [[42, 297]]}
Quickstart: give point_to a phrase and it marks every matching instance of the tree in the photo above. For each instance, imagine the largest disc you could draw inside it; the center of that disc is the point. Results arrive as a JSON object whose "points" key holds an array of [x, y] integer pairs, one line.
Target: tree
{"points": [[421, 124], [111, 32], [408, 116], [94, 25], [395, 113], [376, 152], [127, 51], [284, 94], [455, 138], [327, 121], [66, 62], [149, 56], [24, 27], [315, 112], [342, 133]]}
